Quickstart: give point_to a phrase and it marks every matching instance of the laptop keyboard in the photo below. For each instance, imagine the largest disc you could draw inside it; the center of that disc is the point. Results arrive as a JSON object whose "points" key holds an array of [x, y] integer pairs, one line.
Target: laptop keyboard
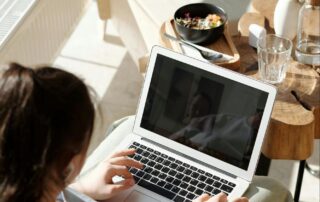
{"points": [[174, 179]]}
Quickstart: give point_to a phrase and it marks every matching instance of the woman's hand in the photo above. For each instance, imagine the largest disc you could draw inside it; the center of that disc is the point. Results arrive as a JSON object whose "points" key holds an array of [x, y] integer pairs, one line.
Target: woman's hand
{"points": [[98, 183], [218, 198]]}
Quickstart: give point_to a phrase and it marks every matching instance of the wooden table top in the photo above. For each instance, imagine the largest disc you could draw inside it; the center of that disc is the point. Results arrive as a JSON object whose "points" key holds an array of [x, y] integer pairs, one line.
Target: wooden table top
{"points": [[295, 121]]}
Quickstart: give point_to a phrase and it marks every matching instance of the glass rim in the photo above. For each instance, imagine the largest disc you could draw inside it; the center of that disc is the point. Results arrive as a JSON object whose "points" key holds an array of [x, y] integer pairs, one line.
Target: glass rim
{"points": [[276, 36]]}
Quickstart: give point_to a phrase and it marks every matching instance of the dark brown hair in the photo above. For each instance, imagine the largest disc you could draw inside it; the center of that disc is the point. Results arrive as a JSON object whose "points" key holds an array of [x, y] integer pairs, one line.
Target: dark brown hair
{"points": [[46, 118]]}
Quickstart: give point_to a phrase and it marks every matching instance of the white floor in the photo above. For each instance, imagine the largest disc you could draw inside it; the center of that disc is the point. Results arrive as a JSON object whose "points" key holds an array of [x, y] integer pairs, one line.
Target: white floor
{"points": [[110, 71]]}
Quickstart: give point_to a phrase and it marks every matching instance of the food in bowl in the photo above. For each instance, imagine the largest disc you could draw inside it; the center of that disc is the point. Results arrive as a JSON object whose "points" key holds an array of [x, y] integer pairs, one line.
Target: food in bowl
{"points": [[211, 21], [197, 28]]}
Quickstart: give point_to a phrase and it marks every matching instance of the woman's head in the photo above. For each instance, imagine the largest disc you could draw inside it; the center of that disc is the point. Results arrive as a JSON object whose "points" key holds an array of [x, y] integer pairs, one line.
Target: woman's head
{"points": [[46, 120]]}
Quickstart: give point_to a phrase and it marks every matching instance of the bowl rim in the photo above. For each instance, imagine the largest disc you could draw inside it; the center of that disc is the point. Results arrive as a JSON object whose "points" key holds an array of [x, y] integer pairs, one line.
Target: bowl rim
{"points": [[218, 7]]}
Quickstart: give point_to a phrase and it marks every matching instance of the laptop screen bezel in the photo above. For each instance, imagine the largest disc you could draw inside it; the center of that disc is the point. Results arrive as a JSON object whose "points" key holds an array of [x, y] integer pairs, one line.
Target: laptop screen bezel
{"points": [[271, 90]]}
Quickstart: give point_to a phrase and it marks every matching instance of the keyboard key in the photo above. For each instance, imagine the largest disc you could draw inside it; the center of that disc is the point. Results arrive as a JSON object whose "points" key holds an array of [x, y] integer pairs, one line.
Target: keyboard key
{"points": [[183, 185], [178, 199], [187, 171], [168, 186], [208, 188], [158, 166], [178, 162], [161, 183], [186, 165], [133, 170], [136, 143], [208, 174], [176, 182], [194, 182], [173, 165], [217, 184], [164, 156], [193, 168], [144, 160], [152, 157], [137, 157], [139, 151], [180, 169], [202, 178], [154, 180], [171, 159], [151, 163], [147, 169], [165, 169], [216, 191], [175, 189], [190, 196], [172, 172], [157, 153], [226, 188], [183, 192], [159, 160], [216, 177], [209, 181], [224, 181], [179, 176], [231, 184], [199, 191], [195, 175], [191, 188], [143, 147], [147, 176], [162, 176], [169, 179], [201, 171], [201, 185], [155, 173], [166, 162], [150, 150], [140, 173], [132, 147], [186, 179], [145, 154], [159, 190]]}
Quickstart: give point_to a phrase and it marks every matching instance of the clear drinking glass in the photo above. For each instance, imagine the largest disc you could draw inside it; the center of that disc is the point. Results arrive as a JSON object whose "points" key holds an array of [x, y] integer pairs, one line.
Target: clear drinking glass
{"points": [[273, 57], [308, 37]]}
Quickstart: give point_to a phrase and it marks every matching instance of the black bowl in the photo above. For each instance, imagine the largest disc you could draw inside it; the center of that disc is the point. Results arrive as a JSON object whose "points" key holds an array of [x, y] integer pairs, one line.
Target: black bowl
{"points": [[201, 10]]}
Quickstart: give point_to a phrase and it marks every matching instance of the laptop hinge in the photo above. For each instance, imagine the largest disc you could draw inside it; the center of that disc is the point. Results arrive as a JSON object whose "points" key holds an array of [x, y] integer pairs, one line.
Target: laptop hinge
{"points": [[189, 157]]}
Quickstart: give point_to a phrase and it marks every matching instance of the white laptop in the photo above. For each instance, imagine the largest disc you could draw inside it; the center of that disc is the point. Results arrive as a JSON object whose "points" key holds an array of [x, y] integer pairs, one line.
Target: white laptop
{"points": [[199, 129]]}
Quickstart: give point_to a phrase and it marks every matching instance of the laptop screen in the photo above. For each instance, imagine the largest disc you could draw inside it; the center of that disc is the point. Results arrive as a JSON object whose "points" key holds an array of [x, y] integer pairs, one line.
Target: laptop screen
{"points": [[207, 112]]}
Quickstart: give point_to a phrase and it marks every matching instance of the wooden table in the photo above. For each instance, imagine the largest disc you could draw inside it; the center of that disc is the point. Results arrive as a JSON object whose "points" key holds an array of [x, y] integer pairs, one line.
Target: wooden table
{"points": [[295, 121]]}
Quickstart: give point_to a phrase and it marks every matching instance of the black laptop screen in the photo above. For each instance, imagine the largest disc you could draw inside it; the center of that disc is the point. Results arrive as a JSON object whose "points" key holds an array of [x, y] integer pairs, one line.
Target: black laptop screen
{"points": [[202, 110]]}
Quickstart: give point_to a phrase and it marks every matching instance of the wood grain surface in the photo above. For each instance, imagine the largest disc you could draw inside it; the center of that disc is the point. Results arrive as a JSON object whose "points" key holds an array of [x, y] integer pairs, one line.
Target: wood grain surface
{"points": [[246, 20], [265, 8], [224, 45], [295, 120]]}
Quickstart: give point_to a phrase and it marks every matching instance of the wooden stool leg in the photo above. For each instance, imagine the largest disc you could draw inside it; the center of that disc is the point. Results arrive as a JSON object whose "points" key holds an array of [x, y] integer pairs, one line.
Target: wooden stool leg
{"points": [[302, 165]]}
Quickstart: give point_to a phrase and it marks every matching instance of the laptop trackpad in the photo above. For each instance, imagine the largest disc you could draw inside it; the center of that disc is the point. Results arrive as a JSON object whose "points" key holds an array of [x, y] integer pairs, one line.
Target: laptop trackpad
{"points": [[136, 196]]}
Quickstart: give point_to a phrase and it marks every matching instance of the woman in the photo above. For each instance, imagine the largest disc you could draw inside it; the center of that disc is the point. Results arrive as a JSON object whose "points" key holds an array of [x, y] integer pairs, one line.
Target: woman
{"points": [[46, 122]]}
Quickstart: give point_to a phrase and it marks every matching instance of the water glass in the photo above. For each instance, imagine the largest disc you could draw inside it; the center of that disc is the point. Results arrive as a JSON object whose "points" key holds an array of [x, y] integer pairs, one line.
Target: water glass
{"points": [[273, 57]]}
